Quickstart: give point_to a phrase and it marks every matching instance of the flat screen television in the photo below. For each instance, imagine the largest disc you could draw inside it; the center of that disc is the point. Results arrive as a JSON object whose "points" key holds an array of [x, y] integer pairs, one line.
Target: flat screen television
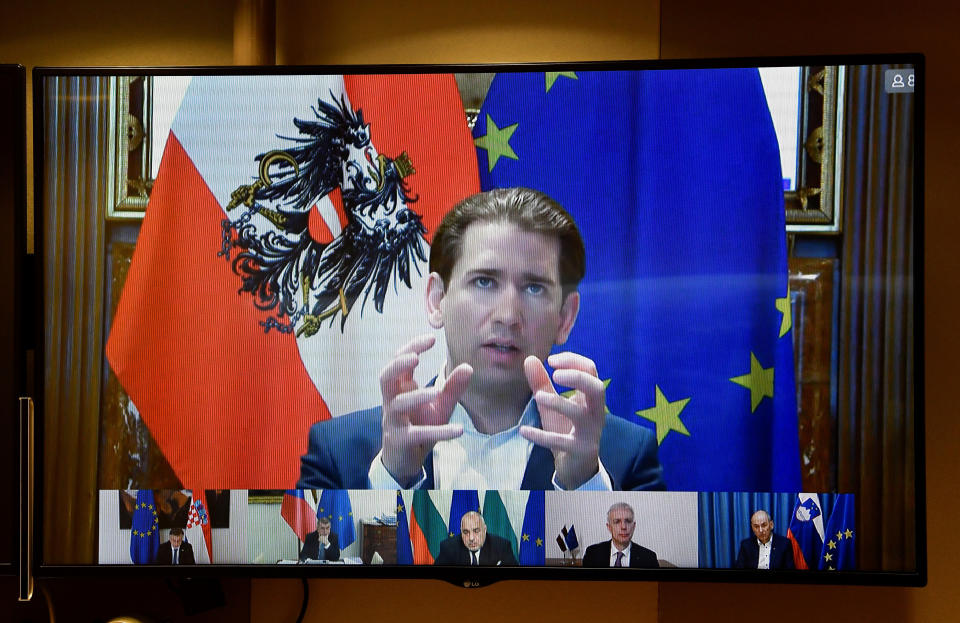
{"points": [[624, 320]]}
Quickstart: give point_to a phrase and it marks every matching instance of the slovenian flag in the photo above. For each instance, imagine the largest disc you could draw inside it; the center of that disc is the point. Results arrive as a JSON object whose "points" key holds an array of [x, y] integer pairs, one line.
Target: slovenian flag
{"points": [[673, 178], [806, 531], [238, 364]]}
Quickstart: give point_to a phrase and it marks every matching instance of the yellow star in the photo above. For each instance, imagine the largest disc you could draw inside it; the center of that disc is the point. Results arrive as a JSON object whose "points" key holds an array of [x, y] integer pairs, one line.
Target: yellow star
{"points": [[320, 510], [759, 382], [828, 556], [450, 534], [570, 392], [149, 532], [832, 544], [399, 508], [848, 533], [666, 415], [525, 537], [340, 518], [539, 542], [783, 305], [839, 536], [551, 77], [497, 142], [830, 568], [350, 514]]}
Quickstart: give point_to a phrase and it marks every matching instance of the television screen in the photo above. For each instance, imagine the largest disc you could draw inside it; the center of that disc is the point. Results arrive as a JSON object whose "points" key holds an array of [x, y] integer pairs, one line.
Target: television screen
{"points": [[657, 320]]}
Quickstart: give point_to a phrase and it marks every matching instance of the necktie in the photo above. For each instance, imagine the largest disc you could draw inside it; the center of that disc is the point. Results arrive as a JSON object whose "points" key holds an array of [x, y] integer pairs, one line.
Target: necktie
{"points": [[473, 559], [176, 556], [619, 562]]}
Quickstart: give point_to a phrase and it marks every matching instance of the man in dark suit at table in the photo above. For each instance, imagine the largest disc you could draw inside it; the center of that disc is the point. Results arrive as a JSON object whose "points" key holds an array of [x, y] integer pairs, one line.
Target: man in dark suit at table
{"points": [[764, 550], [620, 550], [321, 544], [175, 551], [473, 546]]}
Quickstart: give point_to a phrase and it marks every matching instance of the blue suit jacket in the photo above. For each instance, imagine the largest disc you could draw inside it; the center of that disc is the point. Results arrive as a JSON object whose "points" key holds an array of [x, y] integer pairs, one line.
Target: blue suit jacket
{"points": [[781, 554], [342, 449]]}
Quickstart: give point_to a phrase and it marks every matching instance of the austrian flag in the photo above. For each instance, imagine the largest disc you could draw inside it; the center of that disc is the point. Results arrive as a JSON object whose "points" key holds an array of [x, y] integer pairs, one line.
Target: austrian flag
{"points": [[282, 261]]}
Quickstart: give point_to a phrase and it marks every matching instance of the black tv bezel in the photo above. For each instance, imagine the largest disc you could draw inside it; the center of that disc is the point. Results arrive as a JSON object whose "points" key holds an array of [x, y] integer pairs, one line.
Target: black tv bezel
{"points": [[13, 215], [469, 577]]}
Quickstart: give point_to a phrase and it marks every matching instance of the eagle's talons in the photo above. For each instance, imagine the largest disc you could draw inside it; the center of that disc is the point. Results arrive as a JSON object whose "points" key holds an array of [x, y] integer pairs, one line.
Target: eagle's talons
{"points": [[245, 194], [310, 326]]}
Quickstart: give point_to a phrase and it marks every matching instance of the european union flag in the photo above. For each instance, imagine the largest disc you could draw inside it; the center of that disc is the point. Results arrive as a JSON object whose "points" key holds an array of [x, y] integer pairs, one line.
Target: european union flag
{"points": [[145, 531], [839, 547], [673, 178], [461, 503], [404, 548], [334, 504], [533, 546]]}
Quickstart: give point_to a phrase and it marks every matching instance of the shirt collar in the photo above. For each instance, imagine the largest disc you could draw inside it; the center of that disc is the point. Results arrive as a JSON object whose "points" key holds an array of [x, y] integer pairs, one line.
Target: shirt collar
{"points": [[529, 417]]}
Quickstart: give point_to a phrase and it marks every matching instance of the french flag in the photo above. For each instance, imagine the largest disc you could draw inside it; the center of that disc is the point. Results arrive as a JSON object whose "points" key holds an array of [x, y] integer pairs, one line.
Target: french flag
{"points": [[191, 349]]}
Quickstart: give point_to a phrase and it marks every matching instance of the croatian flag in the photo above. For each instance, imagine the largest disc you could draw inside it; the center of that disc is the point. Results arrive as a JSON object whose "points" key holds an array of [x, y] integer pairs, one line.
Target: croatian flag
{"points": [[267, 288], [198, 528]]}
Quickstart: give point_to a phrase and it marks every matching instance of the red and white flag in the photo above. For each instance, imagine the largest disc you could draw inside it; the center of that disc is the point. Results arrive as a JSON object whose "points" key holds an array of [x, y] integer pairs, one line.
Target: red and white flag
{"points": [[299, 510], [198, 532], [261, 298]]}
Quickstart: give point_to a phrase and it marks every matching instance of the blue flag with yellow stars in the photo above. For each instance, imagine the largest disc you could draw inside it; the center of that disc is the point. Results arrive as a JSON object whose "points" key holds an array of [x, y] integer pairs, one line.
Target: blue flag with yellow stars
{"points": [[839, 547], [334, 504], [673, 178], [532, 545], [404, 547], [462, 502], [145, 531]]}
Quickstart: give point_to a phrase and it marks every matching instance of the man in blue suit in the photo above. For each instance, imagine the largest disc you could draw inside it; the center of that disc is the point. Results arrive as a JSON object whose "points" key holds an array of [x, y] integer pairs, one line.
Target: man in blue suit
{"points": [[505, 266], [764, 550]]}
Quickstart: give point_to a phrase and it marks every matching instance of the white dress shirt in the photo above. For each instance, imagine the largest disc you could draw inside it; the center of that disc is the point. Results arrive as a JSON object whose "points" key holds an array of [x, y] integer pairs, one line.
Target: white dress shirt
{"points": [[613, 555], [763, 560], [477, 461]]}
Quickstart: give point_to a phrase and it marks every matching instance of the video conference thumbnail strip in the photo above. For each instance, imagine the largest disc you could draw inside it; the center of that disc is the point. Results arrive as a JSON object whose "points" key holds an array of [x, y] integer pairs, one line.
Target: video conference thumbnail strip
{"points": [[645, 530]]}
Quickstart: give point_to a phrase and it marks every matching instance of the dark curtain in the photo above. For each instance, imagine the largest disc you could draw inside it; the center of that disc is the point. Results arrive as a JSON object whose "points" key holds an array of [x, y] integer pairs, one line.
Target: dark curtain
{"points": [[875, 393], [76, 144]]}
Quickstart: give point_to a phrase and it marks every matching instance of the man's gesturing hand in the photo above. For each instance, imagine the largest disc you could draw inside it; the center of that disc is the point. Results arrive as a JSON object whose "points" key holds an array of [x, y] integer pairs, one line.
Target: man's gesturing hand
{"points": [[571, 427], [415, 418]]}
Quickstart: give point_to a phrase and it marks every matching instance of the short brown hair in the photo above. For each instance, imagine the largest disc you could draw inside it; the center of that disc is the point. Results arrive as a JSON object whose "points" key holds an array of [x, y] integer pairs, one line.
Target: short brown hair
{"points": [[530, 210]]}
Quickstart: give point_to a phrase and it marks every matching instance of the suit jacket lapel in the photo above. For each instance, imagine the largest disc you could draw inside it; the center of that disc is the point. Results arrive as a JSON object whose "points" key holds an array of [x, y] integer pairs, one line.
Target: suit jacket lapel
{"points": [[428, 469], [539, 472]]}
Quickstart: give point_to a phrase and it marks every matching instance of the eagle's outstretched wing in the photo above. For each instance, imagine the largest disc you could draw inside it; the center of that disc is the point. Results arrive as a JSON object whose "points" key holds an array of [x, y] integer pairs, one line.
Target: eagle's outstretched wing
{"points": [[320, 150]]}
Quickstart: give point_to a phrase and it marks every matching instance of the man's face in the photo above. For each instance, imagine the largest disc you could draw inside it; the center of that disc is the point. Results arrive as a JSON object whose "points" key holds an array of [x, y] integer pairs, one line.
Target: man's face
{"points": [[621, 526], [503, 303], [762, 527], [323, 529], [176, 540], [473, 533]]}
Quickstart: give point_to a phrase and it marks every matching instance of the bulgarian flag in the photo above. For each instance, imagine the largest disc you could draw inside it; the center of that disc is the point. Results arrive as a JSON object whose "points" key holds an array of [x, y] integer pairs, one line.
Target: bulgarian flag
{"points": [[198, 531], [427, 528], [227, 384]]}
